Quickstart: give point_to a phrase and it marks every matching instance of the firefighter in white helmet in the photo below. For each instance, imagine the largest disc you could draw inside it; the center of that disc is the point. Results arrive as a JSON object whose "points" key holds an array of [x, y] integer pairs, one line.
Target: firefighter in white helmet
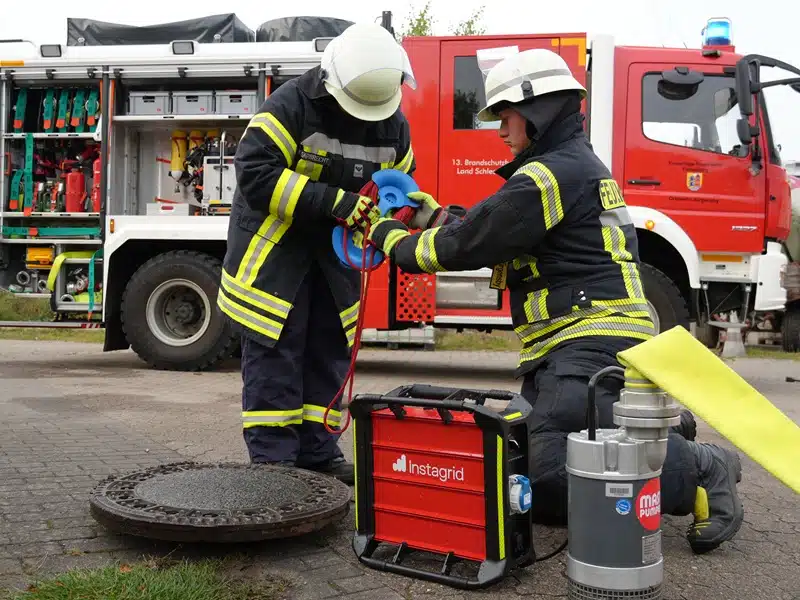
{"points": [[559, 236], [303, 166]]}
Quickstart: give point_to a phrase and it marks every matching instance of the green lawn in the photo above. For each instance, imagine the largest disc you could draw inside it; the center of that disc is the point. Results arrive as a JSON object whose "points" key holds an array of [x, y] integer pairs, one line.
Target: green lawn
{"points": [[13, 308], [154, 580]]}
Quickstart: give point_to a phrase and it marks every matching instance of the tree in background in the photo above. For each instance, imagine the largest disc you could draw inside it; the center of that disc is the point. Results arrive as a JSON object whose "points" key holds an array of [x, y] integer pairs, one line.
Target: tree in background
{"points": [[421, 23]]}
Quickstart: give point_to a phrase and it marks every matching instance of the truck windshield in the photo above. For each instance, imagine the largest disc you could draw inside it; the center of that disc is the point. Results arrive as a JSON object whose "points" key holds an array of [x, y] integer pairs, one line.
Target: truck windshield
{"points": [[701, 116]]}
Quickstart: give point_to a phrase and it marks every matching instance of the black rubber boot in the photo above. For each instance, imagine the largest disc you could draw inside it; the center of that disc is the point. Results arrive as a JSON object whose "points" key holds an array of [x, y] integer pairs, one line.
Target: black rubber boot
{"points": [[338, 468], [687, 427], [718, 511]]}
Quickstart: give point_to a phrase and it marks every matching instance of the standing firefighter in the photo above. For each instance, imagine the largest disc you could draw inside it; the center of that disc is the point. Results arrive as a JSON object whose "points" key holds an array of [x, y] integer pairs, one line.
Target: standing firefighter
{"points": [[559, 236], [303, 166]]}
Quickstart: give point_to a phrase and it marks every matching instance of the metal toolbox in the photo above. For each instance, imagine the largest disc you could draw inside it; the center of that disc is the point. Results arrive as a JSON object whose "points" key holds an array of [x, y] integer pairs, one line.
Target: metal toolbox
{"points": [[148, 103], [236, 102], [193, 103], [175, 210]]}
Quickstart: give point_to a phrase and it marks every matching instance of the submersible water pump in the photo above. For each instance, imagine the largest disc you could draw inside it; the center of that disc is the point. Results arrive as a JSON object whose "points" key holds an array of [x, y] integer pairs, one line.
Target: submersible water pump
{"points": [[615, 494]]}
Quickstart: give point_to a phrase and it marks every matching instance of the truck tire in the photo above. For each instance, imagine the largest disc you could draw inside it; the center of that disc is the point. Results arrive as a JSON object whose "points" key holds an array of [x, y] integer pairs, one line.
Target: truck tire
{"points": [[667, 306], [169, 312], [790, 328]]}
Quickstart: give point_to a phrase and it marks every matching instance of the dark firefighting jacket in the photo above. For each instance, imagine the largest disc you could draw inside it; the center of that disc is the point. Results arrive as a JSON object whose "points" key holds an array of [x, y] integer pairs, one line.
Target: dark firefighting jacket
{"points": [[296, 154], [559, 236]]}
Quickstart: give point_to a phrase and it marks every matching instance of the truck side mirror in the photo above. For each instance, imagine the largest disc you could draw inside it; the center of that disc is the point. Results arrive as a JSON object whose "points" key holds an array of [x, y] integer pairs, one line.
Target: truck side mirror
{"points": [[743, 89], [744, 131]]}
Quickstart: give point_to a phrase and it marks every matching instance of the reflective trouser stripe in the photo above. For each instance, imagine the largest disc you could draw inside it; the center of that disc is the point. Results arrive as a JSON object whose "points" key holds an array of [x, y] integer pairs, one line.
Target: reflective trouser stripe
{"points": [[316, 413], [425, 251], [272, 418], [405, 164], [614, 243], [552, 208], [599, 309], [349, 318], [261, 244], [270, 125], [248, 317], [608, 326], [255, 297], [282, 418]]}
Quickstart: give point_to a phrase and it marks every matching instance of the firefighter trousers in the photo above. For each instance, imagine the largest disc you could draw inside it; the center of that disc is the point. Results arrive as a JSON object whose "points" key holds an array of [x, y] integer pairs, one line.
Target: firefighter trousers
{"points": [[287, 388], [558, 392]]}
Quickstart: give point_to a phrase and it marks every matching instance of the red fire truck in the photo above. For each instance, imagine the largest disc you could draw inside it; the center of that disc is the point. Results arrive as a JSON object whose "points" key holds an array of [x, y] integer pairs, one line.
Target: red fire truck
{"points": [[711, 204], [138, 126]]}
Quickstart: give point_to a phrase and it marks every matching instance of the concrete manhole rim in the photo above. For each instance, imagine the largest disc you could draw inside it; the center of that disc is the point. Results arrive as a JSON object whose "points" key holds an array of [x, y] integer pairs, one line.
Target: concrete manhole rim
{"points": [[112, 503]]}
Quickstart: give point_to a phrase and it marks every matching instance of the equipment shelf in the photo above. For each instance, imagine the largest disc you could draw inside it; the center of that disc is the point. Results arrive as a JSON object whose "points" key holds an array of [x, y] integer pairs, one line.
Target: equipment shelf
{"points": [[51, 136], [51, 215], [181, 118]]}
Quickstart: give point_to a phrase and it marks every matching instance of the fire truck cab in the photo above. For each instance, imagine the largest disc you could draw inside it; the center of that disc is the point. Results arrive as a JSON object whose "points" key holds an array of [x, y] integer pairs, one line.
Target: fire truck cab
{"points": [[118, 174]]}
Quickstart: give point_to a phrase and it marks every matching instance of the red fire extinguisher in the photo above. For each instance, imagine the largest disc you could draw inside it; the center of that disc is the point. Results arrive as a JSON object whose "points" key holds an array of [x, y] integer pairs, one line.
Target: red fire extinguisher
{"points": [[75, 191], [96, 186]]}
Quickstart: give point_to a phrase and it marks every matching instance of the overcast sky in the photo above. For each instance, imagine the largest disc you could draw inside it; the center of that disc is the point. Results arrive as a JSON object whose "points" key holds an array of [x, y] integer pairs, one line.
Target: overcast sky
{"points": [[771, 32]]}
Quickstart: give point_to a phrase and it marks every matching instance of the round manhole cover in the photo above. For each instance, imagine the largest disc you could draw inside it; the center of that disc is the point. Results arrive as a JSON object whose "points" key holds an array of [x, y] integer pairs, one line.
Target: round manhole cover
{"points": [[219, 502]]}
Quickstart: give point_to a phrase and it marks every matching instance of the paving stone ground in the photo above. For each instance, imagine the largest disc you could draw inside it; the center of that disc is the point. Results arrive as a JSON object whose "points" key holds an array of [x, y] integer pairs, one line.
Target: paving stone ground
{"points": [[69, 415]]}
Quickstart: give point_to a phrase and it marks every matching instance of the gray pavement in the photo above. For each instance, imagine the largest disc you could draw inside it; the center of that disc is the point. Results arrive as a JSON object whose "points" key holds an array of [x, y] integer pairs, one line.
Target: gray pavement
{"points": [[70, 414]]}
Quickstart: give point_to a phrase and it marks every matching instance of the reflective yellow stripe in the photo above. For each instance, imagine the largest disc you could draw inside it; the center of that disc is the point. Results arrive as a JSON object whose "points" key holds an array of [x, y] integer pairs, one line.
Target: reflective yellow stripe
{"points": [[392, 238], [426, 251], [272, 418], [527, 261], [405, 164], [259, 299], [316, 413], [284, 197], [248, 317], [349, 318], [536, 306], [355, 470], [310, 168], [270, 125], [614, 244], [548, 186], [501, 512], [529, 332], [261, 244], [608, 326]]}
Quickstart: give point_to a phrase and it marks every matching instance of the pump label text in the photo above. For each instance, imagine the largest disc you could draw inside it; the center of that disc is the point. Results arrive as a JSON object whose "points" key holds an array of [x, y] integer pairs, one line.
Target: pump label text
{"points": [[443, 474], [648, 505]]}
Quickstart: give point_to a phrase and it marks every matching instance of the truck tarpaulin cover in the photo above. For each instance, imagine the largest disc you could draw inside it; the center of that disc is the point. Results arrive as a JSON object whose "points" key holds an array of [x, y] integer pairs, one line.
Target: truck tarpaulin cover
{"points": [[98, 33], [300, 29]]}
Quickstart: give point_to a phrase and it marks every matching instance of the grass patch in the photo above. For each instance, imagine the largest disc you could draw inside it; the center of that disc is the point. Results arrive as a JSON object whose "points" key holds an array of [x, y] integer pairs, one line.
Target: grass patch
{"points": [[769, 352], [14, 307], [473, 340], [156, 579]]}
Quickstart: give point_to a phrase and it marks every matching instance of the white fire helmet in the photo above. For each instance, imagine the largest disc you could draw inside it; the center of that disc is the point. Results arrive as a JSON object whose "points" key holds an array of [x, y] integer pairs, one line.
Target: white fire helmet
{"points": [[524, 75], [364, 68]]}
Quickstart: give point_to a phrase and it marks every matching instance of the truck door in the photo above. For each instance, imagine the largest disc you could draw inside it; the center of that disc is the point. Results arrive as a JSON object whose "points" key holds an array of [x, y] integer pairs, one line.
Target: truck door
{"points": [[683, 157], [469, 150]]}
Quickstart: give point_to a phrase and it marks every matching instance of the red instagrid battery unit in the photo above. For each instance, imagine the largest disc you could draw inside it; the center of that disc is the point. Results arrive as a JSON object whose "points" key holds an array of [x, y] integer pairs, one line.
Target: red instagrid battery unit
{"points": [[443, 471]]}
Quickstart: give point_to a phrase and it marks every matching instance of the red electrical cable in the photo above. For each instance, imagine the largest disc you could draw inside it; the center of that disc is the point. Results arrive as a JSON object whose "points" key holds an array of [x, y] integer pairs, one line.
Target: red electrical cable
{"points": [[362, 301]]}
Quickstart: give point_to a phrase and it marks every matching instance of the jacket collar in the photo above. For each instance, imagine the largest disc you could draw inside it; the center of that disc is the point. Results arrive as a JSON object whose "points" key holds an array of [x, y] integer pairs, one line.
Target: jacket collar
{"points": [[567, 129], [310, 83]]}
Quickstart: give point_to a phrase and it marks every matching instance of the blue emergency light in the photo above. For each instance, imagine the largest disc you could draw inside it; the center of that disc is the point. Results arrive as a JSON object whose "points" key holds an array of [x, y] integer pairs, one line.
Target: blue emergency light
{"points": [[717, 32]]}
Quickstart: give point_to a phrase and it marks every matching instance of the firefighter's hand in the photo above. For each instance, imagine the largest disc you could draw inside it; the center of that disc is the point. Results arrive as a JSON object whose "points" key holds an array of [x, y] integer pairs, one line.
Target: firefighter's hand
{"points": [[355, 211], [428, 209], [385, 233]]}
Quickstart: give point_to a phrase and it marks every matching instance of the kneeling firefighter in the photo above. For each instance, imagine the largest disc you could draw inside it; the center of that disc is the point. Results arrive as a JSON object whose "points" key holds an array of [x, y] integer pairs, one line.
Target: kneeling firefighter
{"points": [[303, 166], [558, 235]]}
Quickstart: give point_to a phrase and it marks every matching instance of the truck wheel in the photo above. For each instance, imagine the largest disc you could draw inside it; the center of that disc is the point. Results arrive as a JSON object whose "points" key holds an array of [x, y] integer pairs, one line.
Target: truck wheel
{"points": [[790, 328], [169, 312], [667, 306]]}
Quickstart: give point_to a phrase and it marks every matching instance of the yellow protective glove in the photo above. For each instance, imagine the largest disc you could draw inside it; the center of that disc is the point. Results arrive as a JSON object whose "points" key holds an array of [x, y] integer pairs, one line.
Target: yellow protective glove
{"points": [[426, 213], [354, 210], [385, 234]]}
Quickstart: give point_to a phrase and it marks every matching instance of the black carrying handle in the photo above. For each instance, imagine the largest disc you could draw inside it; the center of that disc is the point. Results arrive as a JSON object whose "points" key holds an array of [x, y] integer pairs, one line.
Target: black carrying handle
{"points": [[591, 409]]}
